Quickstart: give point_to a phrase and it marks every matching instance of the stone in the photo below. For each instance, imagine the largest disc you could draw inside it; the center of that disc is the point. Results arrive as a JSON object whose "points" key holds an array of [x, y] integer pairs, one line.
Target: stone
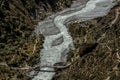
{"points": [[58, 41]]}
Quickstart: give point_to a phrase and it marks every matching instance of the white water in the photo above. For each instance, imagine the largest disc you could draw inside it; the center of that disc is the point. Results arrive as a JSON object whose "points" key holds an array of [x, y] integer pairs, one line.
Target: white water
{"points": [[54, 28]]}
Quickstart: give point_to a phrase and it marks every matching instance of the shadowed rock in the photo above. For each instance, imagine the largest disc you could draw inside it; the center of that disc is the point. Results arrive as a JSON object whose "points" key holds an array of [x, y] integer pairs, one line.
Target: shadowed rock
{"points": [[51, 30], [58, 41]]}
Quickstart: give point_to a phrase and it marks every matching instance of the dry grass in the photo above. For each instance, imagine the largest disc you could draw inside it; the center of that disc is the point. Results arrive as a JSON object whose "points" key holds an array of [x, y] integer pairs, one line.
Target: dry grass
{"points": [[101, 62]]}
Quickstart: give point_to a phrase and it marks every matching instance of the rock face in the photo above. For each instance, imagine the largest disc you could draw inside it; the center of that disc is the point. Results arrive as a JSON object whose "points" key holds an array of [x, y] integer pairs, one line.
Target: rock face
{"points": [[58, 41], [48, 28], [51, 55]]}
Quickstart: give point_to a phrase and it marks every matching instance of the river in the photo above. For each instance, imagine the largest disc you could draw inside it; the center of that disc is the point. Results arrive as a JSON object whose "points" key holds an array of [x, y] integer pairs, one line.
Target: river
{"points": [[58, 41]]}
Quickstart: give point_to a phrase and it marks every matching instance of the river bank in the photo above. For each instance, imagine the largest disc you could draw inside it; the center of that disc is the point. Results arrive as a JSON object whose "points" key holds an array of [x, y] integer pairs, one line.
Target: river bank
{"points": [[90, 60], [50, 54]]}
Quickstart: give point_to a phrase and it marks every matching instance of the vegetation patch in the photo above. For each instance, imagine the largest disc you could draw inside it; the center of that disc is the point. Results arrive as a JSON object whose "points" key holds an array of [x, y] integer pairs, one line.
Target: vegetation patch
{"points": [[97, 52], [19, 45]]}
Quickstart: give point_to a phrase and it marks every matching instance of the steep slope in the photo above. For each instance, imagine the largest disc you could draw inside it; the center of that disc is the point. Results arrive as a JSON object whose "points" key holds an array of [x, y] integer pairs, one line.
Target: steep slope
{"points": [[19, 46], [97, 52]]}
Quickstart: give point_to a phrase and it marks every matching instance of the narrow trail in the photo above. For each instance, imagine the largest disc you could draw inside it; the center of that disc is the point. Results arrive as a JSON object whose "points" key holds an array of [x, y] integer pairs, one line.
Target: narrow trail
{"points": [[58, 41]]}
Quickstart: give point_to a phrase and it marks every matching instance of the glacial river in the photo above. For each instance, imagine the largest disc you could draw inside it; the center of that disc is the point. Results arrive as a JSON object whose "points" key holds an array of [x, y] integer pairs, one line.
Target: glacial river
{"points": [[58, 41]]}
